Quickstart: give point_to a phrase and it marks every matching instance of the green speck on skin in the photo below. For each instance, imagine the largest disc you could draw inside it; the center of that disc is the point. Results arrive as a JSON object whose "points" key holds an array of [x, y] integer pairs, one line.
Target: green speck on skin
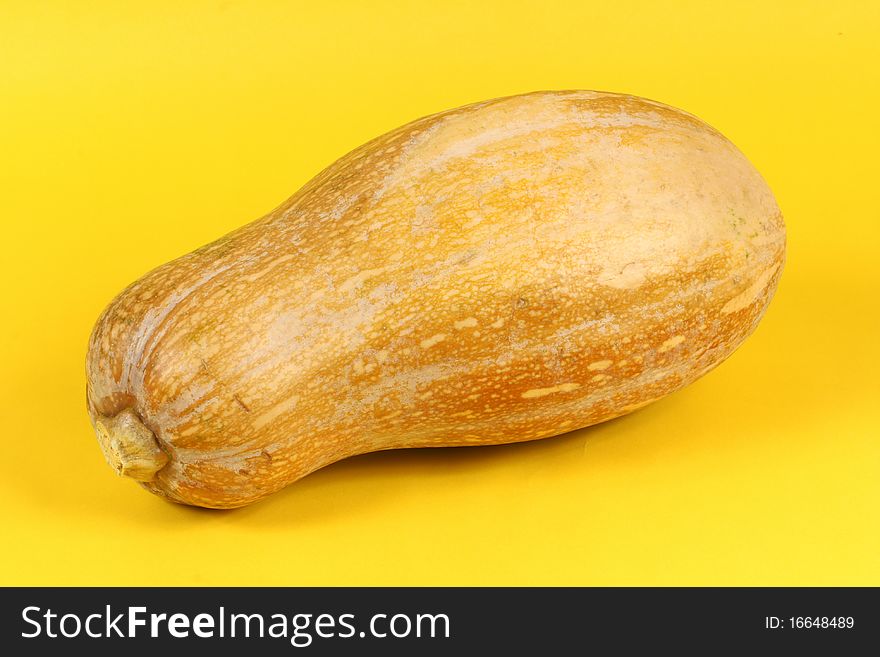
{"points": [[736, 219]]}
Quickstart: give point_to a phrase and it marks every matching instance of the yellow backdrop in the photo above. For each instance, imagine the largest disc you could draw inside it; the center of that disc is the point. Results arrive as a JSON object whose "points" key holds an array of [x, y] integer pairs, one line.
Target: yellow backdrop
{"points": [[131, 133]]}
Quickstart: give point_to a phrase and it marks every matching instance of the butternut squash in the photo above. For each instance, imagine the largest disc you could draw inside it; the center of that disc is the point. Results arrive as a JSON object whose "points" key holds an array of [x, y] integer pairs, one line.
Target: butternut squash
{"points": [[509, 270]]}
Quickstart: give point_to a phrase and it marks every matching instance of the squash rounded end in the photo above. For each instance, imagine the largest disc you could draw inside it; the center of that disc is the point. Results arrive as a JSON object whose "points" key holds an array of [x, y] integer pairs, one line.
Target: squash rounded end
{"points": [[129, 446]]}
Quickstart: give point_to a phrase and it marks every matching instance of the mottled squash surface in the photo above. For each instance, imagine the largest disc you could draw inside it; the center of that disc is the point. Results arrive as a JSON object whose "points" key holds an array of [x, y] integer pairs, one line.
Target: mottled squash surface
{"points": [[501, 272]]}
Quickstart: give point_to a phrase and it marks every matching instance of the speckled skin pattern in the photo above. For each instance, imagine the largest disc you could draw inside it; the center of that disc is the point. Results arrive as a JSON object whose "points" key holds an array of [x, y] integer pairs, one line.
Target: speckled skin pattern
{"points": [[501, 272]]}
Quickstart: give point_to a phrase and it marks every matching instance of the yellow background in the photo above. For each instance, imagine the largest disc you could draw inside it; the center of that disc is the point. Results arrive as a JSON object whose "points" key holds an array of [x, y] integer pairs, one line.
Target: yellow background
{"points": [[131, 133]]}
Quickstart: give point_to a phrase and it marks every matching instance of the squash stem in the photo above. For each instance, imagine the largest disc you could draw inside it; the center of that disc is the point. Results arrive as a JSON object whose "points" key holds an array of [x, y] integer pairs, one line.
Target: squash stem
{"points": [[129, 446]]}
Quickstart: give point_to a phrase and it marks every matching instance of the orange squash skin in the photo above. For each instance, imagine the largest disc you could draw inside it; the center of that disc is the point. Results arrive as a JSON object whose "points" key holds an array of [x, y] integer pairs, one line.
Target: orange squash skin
{"points": [[501, 272]]}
